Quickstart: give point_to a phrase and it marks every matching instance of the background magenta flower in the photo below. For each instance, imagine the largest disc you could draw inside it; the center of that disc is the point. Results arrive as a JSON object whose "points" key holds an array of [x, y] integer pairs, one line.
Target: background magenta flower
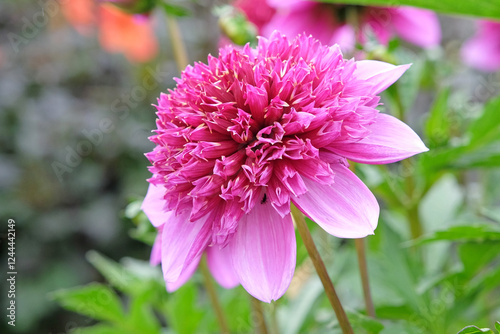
{"points": [[328, 23], [242, 137], [482, 51]]}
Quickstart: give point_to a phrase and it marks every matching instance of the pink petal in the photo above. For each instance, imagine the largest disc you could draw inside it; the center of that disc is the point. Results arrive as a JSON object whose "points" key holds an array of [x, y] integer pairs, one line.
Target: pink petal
{"points": [[153, 205], [379, 73], [155, 257], [482, 51], [303, 17], [184, 276], [377, 20], [345, 37], [390, 140], [346, 208], [221, 266], [417, 26], [181, 243], [264, 252]]}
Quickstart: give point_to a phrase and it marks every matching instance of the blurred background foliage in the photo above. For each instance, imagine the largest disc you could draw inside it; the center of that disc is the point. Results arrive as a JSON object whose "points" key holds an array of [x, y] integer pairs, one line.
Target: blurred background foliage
{"points": [[77, 214]]}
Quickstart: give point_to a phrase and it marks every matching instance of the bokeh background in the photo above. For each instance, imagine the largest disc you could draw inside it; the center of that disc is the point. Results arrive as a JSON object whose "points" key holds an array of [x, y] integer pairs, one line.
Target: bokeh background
{"points": [[74, 122]]}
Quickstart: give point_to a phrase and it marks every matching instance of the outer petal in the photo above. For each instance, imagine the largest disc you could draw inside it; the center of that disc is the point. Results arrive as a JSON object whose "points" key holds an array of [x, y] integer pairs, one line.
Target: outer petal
{"points": [[153, 206], [221, 266], [390, 140], [155, 257], [346, 208], [417, 26], [184, 276], [181, 243], [379, 73], [264, 252]]}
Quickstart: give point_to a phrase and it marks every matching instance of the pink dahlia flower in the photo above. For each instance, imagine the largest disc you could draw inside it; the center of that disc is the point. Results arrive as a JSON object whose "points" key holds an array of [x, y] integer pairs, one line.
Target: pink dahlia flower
{"points": [[327, 22], [483, 50], [242, 137]]}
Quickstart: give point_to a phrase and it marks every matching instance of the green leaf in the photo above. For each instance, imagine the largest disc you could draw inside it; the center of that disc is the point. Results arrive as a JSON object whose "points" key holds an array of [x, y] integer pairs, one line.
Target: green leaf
{"points": [[474, 330], [131, 276], [486, 128], [292, 316], [182, 310], [141, 317], [476, 233], [475, 256], [144, 230], [437, 127], [497, 326], [481, 148], [360, 321], [485, 8], [115, 273], [95, 300], [174, 10], [98, 329]]}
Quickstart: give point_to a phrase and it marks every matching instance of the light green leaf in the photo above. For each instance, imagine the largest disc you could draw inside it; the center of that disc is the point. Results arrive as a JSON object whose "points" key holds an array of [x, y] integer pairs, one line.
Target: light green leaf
{"points": [[114, 273], [98, 329], [474, 330], [437, 127], [95, 300], [486, 128], [182, 310], [360, 321], [475, 256], [485, 8], [141, 317], [463, 233], [481, 147], [497, 326], [292, 316]]}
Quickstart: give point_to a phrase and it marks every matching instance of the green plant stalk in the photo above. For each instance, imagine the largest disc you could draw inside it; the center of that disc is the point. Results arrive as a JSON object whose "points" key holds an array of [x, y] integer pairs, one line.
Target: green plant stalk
{"points": [[321, 270], [212, 294], [274, 319], [259, 319], [178, 46], [363, 272]]}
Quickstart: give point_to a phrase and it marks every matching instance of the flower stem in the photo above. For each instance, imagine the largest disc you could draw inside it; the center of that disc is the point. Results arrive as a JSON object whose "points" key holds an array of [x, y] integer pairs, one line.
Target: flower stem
{"points": [[178, 46], [259, 320], [363, 271], [274, 319], [321, 270], [212, 294]]}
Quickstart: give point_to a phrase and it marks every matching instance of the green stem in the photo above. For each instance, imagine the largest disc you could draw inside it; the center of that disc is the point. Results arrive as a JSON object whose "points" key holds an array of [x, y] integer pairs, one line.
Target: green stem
{"points": [[363, 271], [259, 319], [212, 294], [415, 224], [178, 46], [274, 319], [321, 270]]}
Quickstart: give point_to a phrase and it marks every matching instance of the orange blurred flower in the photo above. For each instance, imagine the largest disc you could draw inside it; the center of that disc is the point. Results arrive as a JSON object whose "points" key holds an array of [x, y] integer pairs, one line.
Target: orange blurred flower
{"points": [[119, 32]]}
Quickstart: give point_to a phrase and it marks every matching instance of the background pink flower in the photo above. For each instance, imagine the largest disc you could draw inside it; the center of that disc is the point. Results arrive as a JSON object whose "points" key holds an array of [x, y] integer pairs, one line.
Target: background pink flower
{"points": [[482, 51], [329, 24], [254, 130]]}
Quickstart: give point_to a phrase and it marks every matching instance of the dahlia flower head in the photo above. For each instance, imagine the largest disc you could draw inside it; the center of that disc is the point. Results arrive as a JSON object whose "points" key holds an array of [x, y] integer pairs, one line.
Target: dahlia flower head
{"points": [[254, 130]]}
